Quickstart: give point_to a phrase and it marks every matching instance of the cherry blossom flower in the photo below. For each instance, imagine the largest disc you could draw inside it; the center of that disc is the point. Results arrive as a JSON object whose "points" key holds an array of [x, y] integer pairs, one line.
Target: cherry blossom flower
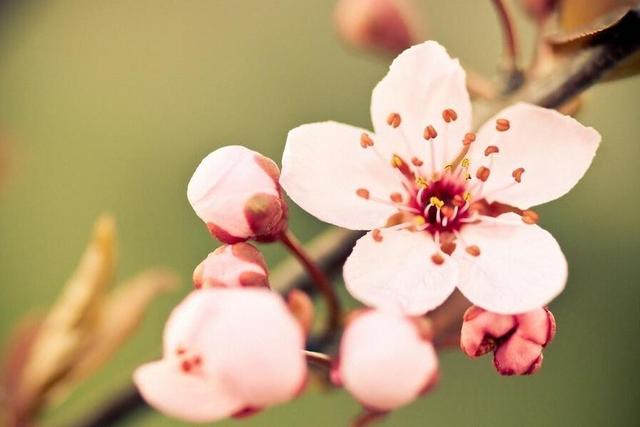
{"points": [[385, 361], [235, 191], [226, 352], [446, 207], [516, 340], [237, 265]]}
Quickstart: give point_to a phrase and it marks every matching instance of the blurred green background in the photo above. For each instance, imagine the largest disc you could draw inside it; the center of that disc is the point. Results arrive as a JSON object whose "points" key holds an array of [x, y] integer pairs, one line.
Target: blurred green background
{"points": [[110, 105]]}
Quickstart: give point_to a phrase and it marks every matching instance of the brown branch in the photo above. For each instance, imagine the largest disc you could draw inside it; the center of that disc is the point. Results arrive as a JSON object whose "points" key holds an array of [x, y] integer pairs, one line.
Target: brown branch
{"points": [[569, 78]]}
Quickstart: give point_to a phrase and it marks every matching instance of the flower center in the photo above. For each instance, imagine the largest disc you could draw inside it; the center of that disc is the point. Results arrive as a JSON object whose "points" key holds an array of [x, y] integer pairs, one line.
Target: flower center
{"points": [[442, 203]]}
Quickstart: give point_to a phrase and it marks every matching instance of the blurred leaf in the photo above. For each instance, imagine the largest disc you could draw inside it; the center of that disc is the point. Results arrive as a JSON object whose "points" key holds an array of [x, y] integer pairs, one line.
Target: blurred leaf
{"points": [[121, 315], [66, 331]]}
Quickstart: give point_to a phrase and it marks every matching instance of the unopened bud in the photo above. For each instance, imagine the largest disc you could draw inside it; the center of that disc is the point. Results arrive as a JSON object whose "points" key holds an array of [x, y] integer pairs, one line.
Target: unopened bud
{"points": [[235, 191], [382, 25], [516, 340], [232, 266]]}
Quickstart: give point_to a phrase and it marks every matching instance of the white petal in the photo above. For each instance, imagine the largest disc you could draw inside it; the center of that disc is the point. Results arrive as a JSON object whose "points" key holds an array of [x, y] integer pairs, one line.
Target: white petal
{"points": [[323, 166], [422, 82], [187, 397], [555, 151], [520, 267], [398, 273]]}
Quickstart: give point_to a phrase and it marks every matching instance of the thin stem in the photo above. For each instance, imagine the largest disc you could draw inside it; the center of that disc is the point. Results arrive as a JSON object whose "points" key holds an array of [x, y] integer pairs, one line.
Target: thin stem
{"points": [[318, 359], [367, 418], [320, 280], [508, 36]]}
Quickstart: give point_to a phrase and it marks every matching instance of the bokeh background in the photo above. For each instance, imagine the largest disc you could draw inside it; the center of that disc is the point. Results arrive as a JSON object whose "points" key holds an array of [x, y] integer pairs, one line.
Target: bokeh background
{"points": [[110, 105]]}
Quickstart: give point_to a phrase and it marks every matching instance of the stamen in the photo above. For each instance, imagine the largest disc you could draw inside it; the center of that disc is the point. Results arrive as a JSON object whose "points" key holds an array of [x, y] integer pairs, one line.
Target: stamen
{"points": [[396, 197], [417, 162], [502, 125], [492, 149], [483, 173], [185, 365], [530, 217], [465, 163], [180, 351], [448, 212], [449, 115], [458, 201], [469, 138], [394, 120], [363, 192], [517, 174], [473, 250], [377, 235]]}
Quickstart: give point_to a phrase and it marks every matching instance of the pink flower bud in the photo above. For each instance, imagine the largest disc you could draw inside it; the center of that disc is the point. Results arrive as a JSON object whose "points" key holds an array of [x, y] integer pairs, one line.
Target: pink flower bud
{"points": [[237, 265], [383, 25], [516, 340], [227, 352], [235, 191], [385, 361]]}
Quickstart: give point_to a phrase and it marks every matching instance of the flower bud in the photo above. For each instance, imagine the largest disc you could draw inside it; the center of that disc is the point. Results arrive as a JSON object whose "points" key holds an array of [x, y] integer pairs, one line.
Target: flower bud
{"points": [[237, 265], [235, 191], [516, 340], [385, 361], [227, 353], [383, 25]]}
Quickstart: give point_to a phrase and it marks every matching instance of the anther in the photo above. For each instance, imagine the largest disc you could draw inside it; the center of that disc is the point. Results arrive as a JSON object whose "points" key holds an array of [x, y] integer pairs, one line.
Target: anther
{"points": [[436, 202], [377, 235], [449, 115], [197, 360], [492, 149], [467, 196], [458, 201], [366, 141], [447, 211], [473, 250], [437, 259], [469, 138], [185, 366], [448, 247], [465, 163], [363, 192], [419, 220], [430, 132], [448, 167], [421, 182], [180, 351], [483, 173], [517, 174], [396, 197], [530, 217], [417, 162], [502, 125], [394, 120]]}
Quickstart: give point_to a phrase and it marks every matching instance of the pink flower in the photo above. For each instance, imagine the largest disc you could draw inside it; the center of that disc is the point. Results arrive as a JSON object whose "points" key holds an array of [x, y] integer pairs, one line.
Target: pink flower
{"points": [[235, 191], [226, 352], [384, 360], [516, 340], [441, 216], [237, 265], [385, 25]]}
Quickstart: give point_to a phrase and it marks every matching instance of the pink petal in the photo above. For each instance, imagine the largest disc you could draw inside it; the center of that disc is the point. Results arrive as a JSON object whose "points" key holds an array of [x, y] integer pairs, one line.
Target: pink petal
{"points": [[186, 397], [555, 151], [247, 338], [520, 266], [518, 356], [384, 363], [481, 328], [422, 82], [397, 272], [224, 183], [324, 165]]}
